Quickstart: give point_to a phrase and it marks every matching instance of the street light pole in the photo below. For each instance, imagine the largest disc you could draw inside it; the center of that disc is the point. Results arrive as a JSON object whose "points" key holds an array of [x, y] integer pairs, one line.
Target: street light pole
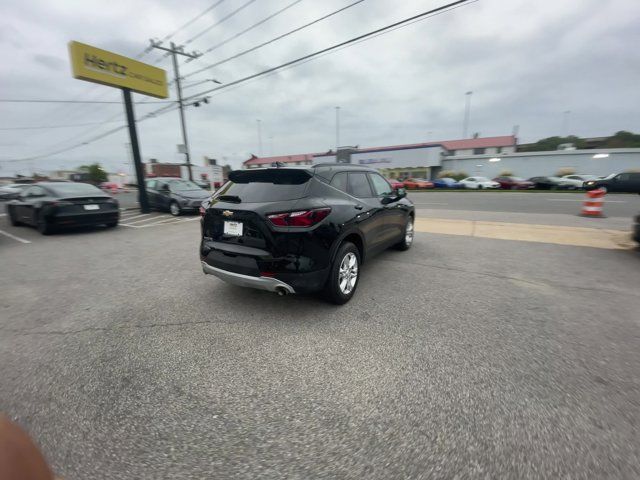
{"points": [[259, 122], [467, 113], [337, 128]]}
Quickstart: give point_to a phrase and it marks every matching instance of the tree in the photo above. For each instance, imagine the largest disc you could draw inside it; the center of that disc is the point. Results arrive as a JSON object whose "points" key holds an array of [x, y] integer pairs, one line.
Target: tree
{"points": [[623, 139], [552, 143], [95, 172]]}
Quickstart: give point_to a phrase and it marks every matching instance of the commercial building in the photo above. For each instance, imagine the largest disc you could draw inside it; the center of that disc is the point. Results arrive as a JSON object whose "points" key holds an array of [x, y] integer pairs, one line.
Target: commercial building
{"points": [[398, 161], [488, 156]]}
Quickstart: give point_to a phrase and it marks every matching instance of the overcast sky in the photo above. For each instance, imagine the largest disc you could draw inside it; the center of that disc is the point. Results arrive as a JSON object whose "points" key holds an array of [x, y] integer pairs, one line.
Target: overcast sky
{"points": [[526, 62]]}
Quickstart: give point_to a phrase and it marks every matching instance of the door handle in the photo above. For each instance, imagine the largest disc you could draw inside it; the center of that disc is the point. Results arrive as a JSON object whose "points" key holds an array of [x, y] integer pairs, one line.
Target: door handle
{"points": [[358, 207]]}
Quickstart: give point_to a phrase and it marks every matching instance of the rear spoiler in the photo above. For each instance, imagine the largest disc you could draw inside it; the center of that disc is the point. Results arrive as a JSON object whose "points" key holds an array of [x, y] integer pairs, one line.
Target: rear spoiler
{"points": [[281, 176]]}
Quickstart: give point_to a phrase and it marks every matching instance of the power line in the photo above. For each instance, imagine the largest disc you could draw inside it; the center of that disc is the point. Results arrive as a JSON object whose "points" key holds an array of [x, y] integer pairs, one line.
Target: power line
{"points": [[172, 34], [144, 52], [222, 20], [23, 100], [46, 127], [248, 29], [379, 31], [300, 60], [275, 39], [153, 114]]}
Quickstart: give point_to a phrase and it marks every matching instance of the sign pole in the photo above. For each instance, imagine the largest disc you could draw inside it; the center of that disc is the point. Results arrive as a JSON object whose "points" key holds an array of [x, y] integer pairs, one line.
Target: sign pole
{"points": [[135, 148]]}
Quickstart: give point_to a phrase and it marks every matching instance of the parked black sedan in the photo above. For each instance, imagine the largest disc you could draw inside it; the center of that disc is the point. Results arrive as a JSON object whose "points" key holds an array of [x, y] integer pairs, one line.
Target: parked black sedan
{"points": [[297, 230], [175, 195], [50, 205]]}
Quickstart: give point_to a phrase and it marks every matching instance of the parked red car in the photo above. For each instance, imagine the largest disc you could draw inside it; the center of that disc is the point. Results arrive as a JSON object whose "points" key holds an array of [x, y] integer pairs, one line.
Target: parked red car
{"points": [[513, 183], [414, 183], [395, 184]]}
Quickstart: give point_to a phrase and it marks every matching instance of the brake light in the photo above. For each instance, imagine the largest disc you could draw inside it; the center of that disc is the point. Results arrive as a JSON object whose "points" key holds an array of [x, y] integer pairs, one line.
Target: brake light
{"points": [[302, 218]]}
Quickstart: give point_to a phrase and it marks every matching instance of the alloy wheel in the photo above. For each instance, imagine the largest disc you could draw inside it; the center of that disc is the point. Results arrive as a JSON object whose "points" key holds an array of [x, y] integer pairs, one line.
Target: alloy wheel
{"points": [[348, 273], [408, 232]]}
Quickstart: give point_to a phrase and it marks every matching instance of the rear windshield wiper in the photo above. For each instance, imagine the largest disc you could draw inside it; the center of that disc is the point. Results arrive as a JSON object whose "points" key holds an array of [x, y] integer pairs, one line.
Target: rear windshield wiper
{"points": [[230, 198]]}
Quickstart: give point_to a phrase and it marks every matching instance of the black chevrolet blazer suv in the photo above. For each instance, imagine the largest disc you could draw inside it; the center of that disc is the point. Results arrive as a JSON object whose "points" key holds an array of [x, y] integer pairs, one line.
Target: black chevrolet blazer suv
{"points": [[301, 230]]}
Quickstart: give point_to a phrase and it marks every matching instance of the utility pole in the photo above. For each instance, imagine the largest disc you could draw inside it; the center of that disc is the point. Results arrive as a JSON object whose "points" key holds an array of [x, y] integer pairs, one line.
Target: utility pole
{"points": [[176, 50], [467, 112], [337, 128]]}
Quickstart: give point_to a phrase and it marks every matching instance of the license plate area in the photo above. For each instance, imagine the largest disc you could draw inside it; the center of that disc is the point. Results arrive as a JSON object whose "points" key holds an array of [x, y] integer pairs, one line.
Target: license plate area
{"points": [[233, 229], [92, 207]]}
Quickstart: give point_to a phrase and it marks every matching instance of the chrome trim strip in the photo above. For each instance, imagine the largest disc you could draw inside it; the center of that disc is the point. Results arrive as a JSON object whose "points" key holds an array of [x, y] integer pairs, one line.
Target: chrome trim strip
{"points": [[262, 283]]}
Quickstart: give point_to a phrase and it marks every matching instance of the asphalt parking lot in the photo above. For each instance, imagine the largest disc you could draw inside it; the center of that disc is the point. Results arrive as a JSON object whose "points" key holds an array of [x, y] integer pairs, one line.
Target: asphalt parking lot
{"points": [[467, 356]]}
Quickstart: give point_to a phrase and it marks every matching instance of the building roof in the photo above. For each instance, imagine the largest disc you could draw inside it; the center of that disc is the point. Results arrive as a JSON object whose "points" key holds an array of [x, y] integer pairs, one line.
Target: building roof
{"points": [[466, 144]]}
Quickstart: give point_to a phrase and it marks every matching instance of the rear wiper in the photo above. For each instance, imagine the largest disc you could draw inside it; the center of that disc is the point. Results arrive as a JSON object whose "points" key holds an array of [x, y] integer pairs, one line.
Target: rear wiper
{"points": [[230, 198]]}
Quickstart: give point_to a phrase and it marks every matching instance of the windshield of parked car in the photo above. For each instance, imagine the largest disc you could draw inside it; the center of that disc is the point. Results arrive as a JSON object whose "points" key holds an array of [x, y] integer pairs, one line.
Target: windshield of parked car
{"points": [[482, 179], [69, 188], [182, 185]]}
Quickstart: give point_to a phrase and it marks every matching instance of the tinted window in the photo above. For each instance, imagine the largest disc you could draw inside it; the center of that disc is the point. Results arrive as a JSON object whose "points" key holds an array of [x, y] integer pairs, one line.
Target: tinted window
{"points": [[339, 181], [151, 184], [64, 189], [380, 185], [359, 185], [271, 185], [623, 177]]}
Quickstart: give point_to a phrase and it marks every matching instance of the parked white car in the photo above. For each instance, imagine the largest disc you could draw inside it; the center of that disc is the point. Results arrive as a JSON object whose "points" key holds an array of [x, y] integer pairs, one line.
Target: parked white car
{"points": [[575, 181], [478, 183]]}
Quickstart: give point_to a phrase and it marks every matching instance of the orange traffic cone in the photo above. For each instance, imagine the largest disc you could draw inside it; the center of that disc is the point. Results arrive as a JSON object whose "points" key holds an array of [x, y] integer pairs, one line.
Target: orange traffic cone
{"points": [[592, 205]]}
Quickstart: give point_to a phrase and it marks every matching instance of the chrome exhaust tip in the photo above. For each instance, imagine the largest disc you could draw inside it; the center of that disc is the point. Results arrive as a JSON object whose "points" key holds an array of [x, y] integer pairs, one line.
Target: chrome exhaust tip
{"points": [[281, 291]]}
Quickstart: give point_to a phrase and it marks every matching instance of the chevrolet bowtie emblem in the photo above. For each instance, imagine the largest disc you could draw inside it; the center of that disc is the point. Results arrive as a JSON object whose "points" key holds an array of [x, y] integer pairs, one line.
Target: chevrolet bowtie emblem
{"points": [[227, 213]]}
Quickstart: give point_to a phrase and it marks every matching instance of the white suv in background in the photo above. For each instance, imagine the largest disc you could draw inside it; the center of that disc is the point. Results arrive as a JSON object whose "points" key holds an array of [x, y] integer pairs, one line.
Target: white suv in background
{"points": [[478, 183]]}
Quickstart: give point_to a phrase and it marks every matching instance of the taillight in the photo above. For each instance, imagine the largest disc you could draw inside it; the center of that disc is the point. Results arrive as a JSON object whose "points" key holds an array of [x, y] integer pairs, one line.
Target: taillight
{"points": [[202, 211], [302, 218]]}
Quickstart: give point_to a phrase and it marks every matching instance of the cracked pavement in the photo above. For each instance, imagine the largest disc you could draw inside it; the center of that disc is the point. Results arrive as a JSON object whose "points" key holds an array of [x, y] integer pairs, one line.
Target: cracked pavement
{"points": [[463, 357]]}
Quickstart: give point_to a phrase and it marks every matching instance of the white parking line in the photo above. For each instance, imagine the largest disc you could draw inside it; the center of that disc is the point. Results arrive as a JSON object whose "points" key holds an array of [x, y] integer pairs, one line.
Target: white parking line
{"points": [[3, 214], [17, 239], [431, 203], [155, 217], [580, 200], [161, 222], [127, 218]]}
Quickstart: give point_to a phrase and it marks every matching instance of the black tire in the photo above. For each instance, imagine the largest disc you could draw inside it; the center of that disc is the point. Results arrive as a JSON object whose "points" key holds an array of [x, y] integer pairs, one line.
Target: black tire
{"points": [[174, 209], [407, 240], [12, 218], [43, 225], [332, 290], [480, 187]]}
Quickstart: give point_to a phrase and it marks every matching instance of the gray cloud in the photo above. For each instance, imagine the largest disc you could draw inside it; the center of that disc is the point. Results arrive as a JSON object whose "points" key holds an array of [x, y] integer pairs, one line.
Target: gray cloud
{"points": [[526, 63]]}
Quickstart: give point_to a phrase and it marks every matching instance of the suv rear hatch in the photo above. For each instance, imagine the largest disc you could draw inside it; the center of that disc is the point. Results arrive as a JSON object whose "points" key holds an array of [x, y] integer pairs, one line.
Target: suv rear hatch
{"points": [[237, 212]]}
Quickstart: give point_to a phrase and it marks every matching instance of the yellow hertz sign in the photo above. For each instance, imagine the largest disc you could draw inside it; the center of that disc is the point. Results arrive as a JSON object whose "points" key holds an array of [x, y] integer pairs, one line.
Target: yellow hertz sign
{"points": [[100, 66]]}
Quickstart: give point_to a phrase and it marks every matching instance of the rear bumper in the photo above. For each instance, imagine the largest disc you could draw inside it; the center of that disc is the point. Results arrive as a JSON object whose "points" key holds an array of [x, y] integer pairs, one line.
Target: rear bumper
{"points": [[262, 283], [85, 218]]}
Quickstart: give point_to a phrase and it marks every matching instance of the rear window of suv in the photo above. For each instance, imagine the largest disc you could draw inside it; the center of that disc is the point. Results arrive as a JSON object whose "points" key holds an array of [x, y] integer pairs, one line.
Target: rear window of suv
{"points": [[271, 185]]}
